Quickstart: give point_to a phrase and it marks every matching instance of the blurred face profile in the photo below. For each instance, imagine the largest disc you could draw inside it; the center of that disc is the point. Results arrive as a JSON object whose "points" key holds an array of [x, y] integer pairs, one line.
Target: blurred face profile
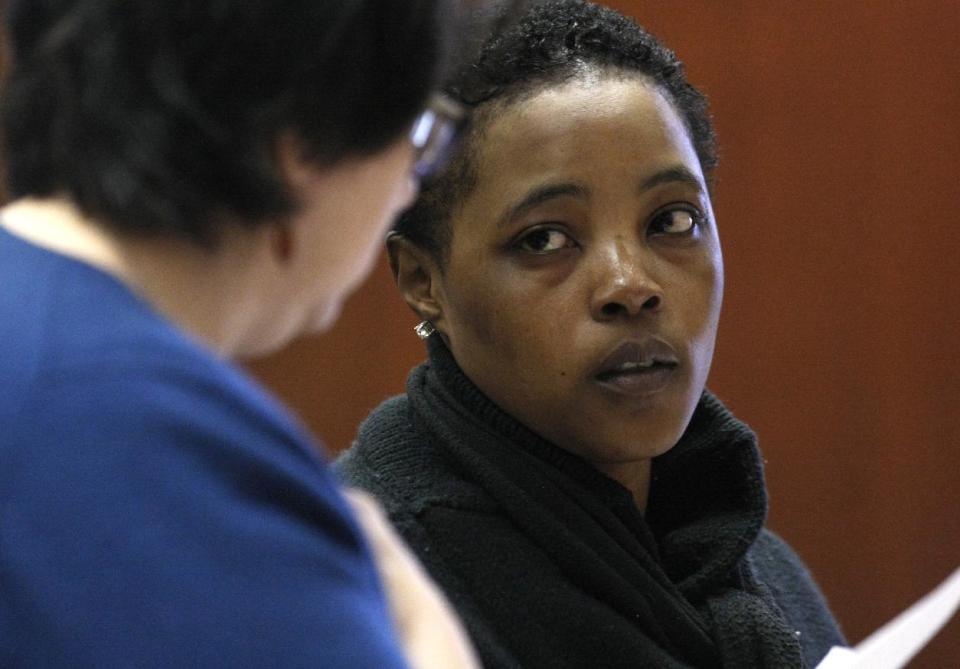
{"points": [[345, 210], [338, 231], [583, 283]]}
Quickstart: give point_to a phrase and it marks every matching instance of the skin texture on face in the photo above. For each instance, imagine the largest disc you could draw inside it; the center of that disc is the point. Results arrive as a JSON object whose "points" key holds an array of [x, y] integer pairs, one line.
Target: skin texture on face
{"points": [[588, 241], [335, 236]]}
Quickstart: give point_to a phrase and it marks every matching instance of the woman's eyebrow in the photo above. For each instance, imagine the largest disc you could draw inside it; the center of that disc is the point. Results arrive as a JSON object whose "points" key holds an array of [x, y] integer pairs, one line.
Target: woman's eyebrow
{"points": [[673, 174], [551, 191], [542, 194]]}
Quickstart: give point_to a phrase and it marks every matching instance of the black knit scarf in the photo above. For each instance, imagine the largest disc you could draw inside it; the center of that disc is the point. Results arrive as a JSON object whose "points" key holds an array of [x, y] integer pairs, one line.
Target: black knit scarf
{"points": [[680, 573]]}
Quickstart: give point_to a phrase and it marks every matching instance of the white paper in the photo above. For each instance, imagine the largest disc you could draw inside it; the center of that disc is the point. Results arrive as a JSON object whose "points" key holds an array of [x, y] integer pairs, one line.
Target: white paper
{"points": [[894, 644]]}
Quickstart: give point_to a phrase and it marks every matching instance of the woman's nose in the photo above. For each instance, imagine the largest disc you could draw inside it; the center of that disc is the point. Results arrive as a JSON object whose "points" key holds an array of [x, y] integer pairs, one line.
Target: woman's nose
{"points": [[625, 287]]}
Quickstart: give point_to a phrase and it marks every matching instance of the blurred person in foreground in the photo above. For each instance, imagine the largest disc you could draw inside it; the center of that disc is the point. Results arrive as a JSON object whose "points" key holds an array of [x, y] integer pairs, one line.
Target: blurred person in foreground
{"points": [[195, 182], [558, 463]]}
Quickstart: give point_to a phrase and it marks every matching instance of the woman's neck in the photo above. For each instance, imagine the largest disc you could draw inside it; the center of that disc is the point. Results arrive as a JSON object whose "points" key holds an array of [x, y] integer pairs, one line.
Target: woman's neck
{"points": [[633, 475], [208, 294]]}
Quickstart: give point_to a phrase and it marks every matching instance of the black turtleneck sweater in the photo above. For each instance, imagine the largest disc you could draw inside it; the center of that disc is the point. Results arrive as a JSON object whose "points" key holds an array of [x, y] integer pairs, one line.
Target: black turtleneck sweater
{"points": [[550, 564]]}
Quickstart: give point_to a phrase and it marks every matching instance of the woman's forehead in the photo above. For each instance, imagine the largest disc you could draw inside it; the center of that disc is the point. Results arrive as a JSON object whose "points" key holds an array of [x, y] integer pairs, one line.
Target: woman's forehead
{"points": [[580, 130]]}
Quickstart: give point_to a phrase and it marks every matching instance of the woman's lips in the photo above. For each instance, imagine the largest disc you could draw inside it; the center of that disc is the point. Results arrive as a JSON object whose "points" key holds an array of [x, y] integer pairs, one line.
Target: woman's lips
{"points": [[638, 368]]}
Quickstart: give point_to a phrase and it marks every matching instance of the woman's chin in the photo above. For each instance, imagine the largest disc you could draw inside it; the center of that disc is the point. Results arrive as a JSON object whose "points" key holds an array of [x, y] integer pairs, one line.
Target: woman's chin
{"points": [[323, 317], [279, 331], [617, 454]]}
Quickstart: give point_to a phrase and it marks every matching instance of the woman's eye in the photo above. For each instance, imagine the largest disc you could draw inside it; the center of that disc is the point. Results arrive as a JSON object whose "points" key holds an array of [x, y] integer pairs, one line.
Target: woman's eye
{"points": [[544, 240], [676, 222]]}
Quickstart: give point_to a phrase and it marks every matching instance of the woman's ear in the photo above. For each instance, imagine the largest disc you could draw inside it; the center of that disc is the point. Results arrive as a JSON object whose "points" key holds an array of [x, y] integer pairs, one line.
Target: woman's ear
{"points": [[418, 278]]}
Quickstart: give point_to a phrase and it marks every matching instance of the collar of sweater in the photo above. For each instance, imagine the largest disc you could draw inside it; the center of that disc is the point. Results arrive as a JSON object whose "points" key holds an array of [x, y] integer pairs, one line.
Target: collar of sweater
{"points": [[707, 499]]}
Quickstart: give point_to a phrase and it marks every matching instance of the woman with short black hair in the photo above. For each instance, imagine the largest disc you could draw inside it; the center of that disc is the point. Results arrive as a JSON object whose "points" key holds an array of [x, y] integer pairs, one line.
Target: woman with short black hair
{"points": [[558, 463]]}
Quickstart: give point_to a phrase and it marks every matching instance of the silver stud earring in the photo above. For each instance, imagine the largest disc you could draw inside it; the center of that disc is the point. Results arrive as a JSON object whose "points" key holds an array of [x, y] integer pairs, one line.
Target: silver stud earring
{"points": [[424, 329]]}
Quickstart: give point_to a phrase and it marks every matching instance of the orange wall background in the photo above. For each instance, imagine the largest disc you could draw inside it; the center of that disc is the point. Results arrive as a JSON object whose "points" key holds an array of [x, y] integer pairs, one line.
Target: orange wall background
{"points": [[838, 202]]}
